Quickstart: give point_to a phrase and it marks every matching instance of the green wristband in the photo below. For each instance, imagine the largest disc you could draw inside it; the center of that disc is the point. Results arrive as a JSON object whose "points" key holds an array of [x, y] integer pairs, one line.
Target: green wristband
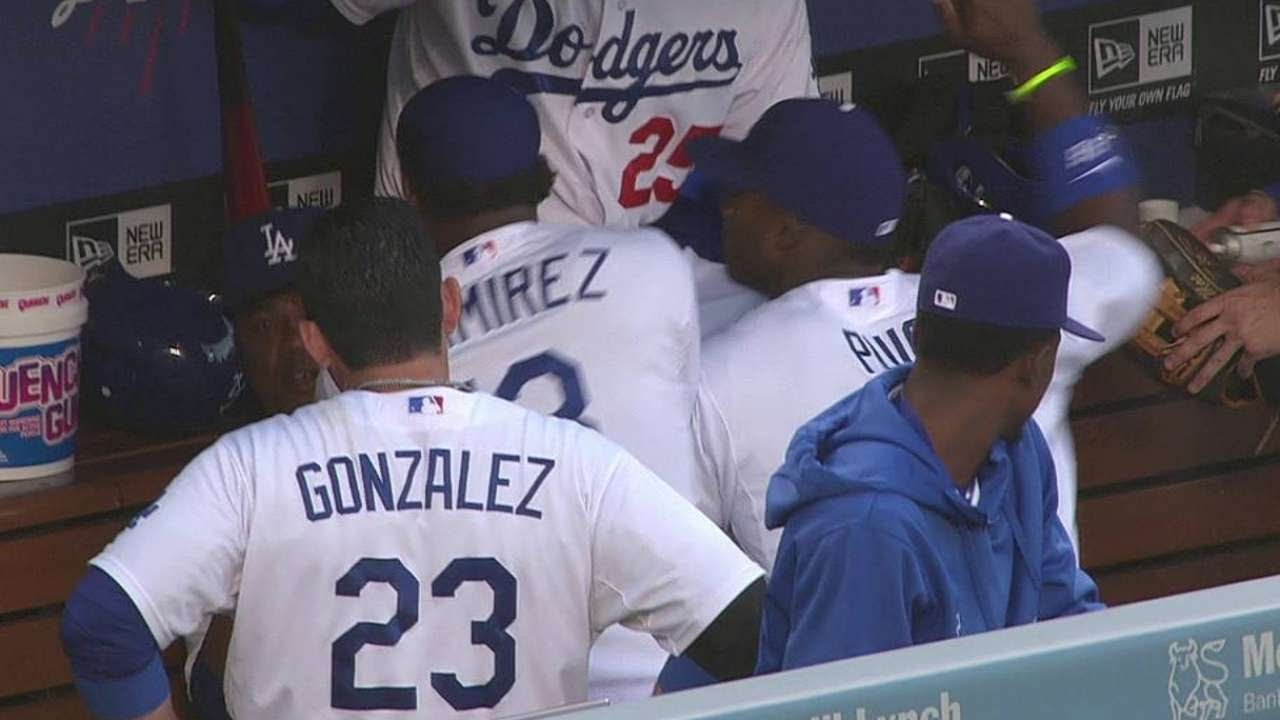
{"points": [[1029, 88]]}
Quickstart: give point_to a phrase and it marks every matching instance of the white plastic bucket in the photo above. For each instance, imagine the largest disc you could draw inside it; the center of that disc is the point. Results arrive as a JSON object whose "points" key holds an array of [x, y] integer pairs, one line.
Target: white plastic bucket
{"points": [[42, 306]]}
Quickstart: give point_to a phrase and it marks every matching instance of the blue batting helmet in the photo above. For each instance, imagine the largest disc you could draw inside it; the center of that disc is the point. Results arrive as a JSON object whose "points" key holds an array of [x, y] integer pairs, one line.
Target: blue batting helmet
{"points": [[158, 358]]}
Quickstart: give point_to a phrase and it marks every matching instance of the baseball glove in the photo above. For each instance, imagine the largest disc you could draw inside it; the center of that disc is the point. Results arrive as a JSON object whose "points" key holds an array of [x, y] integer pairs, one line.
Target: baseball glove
{"points": [[1193, 275]]}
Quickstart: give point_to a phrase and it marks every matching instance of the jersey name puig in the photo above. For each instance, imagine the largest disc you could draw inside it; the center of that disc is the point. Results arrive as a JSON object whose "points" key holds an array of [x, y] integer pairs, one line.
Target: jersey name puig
{"points": [[421, 479], [521, 292], [884, 350]]}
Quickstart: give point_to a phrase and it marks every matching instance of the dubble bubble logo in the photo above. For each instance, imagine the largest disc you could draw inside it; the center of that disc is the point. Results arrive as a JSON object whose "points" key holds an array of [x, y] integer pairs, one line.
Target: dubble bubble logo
{"points": [[1196, 679]]}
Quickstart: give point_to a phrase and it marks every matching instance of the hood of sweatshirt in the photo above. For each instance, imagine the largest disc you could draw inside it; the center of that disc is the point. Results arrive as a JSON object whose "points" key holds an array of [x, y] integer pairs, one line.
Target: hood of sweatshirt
{"points": [[864, 444]]}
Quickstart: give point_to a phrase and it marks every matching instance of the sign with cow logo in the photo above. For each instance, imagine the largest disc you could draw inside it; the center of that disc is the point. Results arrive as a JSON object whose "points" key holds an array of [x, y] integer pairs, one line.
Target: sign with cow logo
{"points": [[141, 239], [1149, 56]]}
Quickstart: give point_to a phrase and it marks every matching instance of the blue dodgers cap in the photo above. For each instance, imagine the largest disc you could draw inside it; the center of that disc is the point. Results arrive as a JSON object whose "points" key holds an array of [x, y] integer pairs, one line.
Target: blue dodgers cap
{"points": [[467, 128], [995, 270], [260, 255], [831, 165]]}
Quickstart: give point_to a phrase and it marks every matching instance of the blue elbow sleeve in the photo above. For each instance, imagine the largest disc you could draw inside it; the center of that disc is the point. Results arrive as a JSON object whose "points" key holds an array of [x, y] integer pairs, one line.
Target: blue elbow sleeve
{"points": [[114, 658]]}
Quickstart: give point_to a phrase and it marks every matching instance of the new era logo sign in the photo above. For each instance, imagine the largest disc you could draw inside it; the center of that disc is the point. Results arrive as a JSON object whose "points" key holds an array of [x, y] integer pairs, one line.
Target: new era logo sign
{"points": [[945, 300], [837, 87], [141, 239], [961, 65], [1269, 29], [312, 191], [426, 405], [1139, 50], [1110, 56]]}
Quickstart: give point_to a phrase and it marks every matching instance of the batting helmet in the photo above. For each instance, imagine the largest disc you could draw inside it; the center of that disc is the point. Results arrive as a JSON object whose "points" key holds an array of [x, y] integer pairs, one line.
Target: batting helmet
{"points": [[157, 358]]}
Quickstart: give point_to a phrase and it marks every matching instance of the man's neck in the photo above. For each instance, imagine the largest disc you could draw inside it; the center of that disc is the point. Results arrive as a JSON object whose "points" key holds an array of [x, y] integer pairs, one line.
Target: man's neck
{"points": [[424, 369], [834, 269], [449, 233], [960, 417]]}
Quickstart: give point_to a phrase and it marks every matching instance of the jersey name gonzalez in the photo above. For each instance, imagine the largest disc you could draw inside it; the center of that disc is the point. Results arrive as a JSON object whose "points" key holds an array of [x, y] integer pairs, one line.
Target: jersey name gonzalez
{"points": [[650, 61], [414, 479], [528, 290]]}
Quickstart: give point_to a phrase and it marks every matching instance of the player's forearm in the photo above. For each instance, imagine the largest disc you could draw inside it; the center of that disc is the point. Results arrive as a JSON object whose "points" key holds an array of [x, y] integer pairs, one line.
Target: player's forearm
{"points": [[1101, 190]]}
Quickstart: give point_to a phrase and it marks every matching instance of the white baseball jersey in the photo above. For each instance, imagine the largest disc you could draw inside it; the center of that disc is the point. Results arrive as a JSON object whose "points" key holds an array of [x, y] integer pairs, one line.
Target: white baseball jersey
{"points": [[597, 326], [793, 357], [619, 86], [429, 551]]}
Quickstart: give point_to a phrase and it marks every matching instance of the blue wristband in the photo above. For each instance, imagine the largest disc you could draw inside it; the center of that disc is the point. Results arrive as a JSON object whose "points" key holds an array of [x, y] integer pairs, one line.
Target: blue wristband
{"points": [[1077, 160]]}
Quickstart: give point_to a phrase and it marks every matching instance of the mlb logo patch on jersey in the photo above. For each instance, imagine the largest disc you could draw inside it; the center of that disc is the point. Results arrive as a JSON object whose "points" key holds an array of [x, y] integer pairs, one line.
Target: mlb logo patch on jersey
{"points": [[486, 250], [426, 405], [864, 296]]}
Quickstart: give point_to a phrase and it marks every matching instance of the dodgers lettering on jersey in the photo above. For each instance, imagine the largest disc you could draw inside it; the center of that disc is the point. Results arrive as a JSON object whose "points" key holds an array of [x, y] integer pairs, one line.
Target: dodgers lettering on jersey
{"points": [[366, 483], [644, 61], [853, 330], [432, 557], [620, 87], [595, 326]]}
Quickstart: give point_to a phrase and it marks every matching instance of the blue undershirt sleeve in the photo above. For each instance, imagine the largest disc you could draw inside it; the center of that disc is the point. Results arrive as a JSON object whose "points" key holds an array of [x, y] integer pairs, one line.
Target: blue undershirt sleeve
{"points": [[114, 658]]}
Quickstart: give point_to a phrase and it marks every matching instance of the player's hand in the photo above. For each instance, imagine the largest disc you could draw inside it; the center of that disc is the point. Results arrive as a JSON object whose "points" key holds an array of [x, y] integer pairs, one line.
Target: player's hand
{"points": [[1006, 30], [1247, 317]]}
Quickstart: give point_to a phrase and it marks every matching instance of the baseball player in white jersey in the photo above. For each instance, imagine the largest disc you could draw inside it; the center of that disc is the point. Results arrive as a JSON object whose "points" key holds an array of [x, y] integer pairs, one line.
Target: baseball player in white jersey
{"points": [[837, 319], [408, 545], [587, 324], [620, 87]]}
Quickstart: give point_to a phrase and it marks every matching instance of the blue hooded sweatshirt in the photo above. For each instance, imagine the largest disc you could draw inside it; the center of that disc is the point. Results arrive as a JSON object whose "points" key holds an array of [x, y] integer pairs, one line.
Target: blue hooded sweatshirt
{"points": [[880, 550]]}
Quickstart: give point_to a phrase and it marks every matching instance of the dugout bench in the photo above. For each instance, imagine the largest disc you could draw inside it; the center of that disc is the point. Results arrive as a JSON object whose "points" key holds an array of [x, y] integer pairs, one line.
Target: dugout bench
{"points": [[1175, 495]]}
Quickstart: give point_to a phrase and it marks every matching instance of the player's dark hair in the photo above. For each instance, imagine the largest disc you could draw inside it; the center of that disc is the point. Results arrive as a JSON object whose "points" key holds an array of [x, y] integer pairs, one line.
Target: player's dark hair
{"points": [[370, 278], [454, 198], [973, 348]]}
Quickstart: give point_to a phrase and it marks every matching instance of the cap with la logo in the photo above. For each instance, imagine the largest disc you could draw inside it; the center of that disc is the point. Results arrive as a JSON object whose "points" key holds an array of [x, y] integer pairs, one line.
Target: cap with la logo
{"points": [[994, 270], [260, 254]]}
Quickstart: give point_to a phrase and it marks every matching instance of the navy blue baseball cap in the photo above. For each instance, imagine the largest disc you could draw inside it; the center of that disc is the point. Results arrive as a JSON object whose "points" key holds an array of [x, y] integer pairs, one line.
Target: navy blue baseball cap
{"points": [[260, 255], [830, 165], [995, 270], [467, 128]]}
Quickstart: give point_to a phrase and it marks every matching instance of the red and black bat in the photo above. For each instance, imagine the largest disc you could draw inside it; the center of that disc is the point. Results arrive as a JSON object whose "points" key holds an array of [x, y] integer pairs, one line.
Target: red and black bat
{"points": [[242, 166]]}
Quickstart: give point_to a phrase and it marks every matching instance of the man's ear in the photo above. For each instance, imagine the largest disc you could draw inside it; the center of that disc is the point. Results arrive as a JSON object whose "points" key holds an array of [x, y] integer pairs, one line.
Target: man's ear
{"points": [[316, 343], [1035, 369], [451, 307]]}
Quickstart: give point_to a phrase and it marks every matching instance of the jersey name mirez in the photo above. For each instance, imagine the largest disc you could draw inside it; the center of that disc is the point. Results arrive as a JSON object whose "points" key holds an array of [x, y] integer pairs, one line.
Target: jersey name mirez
{"points": [[419, 479], [624, 56], [521, 292]]}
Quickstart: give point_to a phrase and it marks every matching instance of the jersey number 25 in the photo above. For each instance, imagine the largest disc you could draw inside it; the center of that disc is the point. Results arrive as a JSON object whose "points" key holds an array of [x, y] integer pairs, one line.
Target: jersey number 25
{"points": [[661, 130]]}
